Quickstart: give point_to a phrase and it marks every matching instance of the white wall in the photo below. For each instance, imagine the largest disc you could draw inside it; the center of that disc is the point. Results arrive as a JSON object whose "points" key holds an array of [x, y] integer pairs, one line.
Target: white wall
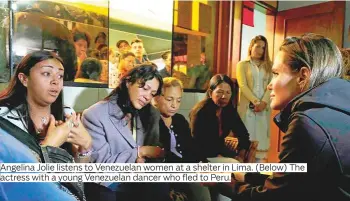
{"points": [[286, 5], [248, 32]]}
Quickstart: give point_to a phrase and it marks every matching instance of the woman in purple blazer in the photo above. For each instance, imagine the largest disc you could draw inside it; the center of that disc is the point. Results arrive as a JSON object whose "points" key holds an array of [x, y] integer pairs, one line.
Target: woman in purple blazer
{"points": [[125, 127]]}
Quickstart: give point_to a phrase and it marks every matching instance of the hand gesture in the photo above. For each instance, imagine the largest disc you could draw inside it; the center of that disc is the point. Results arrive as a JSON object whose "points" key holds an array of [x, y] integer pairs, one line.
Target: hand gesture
{"points": [[56, 134], [82, 56], [78, 134], [260, 107], [151, 152]]}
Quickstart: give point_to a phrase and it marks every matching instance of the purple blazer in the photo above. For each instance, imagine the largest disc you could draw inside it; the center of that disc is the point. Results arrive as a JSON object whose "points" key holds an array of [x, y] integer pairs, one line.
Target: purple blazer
{"points": [[112, 140]]}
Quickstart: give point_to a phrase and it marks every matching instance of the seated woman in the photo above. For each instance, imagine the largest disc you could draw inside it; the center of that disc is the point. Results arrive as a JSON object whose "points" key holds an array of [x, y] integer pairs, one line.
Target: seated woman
{"points": [[215, 117], [315, 117], [125, 129], [31, 109], [175, 135]]}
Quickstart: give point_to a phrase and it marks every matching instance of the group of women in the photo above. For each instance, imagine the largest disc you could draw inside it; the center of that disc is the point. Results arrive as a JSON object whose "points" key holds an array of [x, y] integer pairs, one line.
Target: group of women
{"points": [[126, 128]]}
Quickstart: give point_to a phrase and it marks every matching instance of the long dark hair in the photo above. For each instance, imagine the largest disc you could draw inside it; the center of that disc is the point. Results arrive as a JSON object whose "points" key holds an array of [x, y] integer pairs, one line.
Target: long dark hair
{"points": [[140, 74], [15, 95], [214, 82]]}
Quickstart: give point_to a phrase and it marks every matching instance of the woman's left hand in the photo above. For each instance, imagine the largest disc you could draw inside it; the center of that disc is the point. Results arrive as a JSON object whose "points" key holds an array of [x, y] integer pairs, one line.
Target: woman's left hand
{"points": [[260, 107], [78, 134]]}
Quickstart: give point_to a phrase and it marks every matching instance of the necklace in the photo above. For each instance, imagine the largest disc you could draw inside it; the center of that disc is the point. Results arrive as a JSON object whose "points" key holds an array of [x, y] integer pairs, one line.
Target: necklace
{"points": [[43, 121], [256, 63]]}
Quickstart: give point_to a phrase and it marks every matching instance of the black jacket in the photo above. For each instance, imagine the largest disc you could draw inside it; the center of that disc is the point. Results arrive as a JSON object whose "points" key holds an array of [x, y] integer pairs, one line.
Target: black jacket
{"points": [[184, 141], [205, 130], [317, 132]]}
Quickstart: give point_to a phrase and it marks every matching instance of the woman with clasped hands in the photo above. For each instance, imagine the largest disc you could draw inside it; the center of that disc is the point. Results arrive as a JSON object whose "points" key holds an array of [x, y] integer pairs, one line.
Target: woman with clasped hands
{"points": [[125, 128], [33, 102], [315, 117], [31, 110]]}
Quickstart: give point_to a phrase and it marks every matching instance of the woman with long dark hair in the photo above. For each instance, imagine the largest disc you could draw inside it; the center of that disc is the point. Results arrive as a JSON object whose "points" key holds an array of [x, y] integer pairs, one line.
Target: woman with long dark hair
{"points": [[125, 128], [31, 110], [215, 117]]}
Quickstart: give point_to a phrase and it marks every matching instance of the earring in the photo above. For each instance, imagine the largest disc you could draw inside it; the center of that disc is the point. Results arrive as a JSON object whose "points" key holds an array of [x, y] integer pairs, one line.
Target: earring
{"points": [[302, 88]]}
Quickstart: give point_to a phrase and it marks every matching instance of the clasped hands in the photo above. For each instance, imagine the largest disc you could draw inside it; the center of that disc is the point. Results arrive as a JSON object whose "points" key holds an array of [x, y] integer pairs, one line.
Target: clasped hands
{"points": [[260, 107], [71, 131], [144, 152]]}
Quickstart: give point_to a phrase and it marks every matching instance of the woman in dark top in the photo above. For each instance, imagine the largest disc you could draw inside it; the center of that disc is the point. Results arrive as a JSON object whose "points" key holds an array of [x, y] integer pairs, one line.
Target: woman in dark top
{"points": [[315, 117], [215, 117], [175, 135], [174, 128]]}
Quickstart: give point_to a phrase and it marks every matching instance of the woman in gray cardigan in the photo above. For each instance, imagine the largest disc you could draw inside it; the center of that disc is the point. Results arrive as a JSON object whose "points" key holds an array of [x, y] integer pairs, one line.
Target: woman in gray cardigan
{"points": [[124, 126]]}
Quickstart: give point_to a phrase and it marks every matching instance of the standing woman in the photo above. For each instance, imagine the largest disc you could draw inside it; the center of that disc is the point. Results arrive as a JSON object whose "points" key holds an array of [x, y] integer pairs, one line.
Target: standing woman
{"points": [[125, 129], [253, 76], [31, 106]]}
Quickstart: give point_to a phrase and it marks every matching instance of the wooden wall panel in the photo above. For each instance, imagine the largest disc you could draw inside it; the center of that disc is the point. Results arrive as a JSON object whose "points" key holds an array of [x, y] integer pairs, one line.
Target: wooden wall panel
{"points": [[185, 14]]}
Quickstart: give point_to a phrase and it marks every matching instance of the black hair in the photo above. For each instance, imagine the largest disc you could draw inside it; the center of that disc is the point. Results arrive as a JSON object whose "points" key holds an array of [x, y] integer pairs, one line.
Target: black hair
{"points": [[120, 42], [214, 82], [91, 68], [78, 35], [99, 35], [140, 74], [15, 95]]}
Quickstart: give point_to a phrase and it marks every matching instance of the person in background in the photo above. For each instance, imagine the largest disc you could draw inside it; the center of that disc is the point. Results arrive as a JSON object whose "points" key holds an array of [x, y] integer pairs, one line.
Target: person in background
{"points": [[100, 39], [314, 116], [113, 63], [125, 129], [123, 46], [90, 71], [346, 60], [81, 44], [138, 49], [126, 64], [253, 76], [104, 55], [32, 106], [175, 135], [166, 71]]}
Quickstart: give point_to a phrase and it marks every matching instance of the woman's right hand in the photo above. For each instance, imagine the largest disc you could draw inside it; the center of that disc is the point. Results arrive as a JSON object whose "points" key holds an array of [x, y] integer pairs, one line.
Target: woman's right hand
{"points": [[56, 135], [239, 176], [151, 152]]}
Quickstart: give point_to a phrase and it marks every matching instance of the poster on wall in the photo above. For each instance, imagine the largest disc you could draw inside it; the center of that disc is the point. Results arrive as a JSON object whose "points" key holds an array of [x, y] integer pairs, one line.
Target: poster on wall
{"points": [[75, 31]]}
